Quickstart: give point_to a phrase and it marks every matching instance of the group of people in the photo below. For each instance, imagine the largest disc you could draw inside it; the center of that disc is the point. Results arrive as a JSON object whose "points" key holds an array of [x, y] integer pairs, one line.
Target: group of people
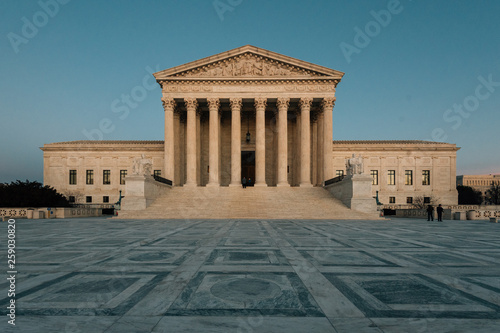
{"points": [[246, 182], [430, 213]]}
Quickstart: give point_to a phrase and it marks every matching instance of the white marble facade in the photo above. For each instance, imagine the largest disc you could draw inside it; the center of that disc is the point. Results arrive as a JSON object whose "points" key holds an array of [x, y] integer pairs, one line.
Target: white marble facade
{"points": [[284, 104]]}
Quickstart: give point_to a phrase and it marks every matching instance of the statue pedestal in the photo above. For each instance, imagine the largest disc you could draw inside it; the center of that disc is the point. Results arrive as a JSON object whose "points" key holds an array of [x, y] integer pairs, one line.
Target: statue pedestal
{"points": [[141, 191], [355, 191]]}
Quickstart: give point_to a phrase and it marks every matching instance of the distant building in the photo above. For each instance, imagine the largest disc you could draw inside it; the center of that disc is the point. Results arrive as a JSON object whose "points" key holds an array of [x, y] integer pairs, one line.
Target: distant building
{"points": [[479, 182]]}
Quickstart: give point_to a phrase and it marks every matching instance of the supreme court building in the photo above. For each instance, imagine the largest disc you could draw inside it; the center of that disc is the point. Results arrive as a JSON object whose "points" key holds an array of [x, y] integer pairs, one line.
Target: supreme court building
{"points": [[257, 114]]}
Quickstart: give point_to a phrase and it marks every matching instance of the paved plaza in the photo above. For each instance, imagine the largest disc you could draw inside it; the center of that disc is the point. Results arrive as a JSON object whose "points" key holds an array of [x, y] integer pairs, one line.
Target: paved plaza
{"points": [[396, 275]]}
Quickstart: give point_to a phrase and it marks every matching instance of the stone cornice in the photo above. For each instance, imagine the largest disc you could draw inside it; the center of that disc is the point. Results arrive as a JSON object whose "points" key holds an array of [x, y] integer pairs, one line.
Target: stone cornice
{"points": [[338, 145], [98, 145], [393, 145], [251, 80]]}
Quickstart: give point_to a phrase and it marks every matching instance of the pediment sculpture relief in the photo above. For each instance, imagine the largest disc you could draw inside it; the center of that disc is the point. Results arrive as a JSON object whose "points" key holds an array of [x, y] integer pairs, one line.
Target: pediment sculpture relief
{"points": [[248, 65]]}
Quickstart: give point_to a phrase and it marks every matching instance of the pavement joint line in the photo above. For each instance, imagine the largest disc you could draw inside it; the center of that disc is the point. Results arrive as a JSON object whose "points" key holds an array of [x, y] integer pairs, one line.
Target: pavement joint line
{"points": [[177, 279], [313, 278]]}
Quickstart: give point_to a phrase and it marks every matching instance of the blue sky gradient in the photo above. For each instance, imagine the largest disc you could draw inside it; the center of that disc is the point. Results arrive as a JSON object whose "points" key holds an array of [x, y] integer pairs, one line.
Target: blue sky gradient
{"points": [[430, 71]]}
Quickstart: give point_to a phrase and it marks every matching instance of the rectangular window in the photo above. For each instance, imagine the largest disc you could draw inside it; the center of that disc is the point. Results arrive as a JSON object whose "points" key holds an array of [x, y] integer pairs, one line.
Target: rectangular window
{"points": [[427, 200], [88, 199], [106, 177], [391, 177], [374, 174], [123, 174], [392, 199], [409, 200], [71, 199], [339, 173], [408, 177], [72, 177], [105, 198], [157, 173], [426, 177], [90, 177]]}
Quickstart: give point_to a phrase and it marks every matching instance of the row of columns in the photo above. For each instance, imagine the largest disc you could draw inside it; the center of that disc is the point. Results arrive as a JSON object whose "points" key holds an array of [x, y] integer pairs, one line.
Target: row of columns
{"points": [[325, 134]]}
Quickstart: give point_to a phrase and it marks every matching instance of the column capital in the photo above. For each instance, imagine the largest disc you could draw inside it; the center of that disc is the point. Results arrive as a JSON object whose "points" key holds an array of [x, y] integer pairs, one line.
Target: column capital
{"points": [[305, 102], [213, 103], [328, 102], [191, 103], [236, 104], [168, 103], [283, 102], [260, 103]]}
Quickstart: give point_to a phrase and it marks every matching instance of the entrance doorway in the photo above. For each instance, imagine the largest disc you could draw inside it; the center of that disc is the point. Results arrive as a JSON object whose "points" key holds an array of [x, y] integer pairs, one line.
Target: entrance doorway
{"points": [[248, 165]]}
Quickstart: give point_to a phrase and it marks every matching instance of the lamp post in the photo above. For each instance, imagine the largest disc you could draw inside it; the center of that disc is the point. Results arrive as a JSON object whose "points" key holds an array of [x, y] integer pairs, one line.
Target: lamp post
{"points": [[248, 128]]}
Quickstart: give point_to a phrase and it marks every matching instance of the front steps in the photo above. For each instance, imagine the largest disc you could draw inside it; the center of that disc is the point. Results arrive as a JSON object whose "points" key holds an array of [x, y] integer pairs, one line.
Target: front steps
{"points": [[249, 203]]}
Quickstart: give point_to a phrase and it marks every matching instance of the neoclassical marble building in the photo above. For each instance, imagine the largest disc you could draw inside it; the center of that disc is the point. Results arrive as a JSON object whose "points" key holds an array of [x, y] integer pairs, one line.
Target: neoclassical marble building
{"points": [[257, 114]]}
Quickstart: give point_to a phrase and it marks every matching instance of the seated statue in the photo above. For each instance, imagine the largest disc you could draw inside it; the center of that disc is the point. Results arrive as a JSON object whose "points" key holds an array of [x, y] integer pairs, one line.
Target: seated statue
{"points": [[354, 165], [142, 166]]}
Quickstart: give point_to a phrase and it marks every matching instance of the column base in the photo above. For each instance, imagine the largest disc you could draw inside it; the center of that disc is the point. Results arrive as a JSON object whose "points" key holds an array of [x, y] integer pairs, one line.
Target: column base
{"points": [[305, 185], [213, 185], [260, 185], [235, 185], [283, 185], [190, 185]]}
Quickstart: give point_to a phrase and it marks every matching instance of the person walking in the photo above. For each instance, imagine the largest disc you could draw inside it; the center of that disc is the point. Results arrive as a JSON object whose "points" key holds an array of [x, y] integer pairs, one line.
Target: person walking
{"points": [[430, 213], [439, 211], [244, 182]]}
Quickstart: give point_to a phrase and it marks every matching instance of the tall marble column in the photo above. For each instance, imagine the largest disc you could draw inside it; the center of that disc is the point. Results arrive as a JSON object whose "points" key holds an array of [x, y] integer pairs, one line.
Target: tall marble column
{"points": [[169, 144], [305, 142], [191, 105], [260, 142], [327, 105], [213, 148], [179, 165], [236, 104], [283, 104], [314, 150], [320, 149]]}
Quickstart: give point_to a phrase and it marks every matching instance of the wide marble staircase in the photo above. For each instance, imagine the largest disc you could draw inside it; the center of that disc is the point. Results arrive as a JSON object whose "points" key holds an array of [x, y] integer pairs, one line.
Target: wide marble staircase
{"points": [[249, 203]]}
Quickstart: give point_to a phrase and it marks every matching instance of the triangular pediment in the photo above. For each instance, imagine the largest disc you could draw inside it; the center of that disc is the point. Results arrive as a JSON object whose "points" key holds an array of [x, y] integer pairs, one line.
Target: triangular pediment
{"points": [[248, 62]]}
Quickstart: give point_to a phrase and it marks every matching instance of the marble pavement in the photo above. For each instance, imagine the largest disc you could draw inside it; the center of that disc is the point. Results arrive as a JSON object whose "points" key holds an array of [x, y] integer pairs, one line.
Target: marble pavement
{"points": [[396, 275]]}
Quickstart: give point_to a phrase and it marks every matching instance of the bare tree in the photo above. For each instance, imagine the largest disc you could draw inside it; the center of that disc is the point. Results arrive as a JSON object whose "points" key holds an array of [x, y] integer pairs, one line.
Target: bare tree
{"points": [[419, 202], [492, 195], [76, 194]]}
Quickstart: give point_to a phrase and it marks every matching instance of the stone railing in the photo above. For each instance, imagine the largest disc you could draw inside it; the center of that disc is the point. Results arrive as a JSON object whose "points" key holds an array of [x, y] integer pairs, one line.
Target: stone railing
{"points": [[456, 212], [421, 213], [48, 213]]}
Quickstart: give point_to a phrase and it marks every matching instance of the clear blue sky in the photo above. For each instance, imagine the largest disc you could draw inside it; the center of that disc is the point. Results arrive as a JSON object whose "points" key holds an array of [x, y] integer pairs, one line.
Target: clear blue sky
{"points": [[402, 83]]}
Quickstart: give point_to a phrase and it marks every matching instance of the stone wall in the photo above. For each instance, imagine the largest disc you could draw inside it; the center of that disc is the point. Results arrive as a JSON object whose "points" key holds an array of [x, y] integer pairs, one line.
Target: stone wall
{"points": [[355, 192], [141, 192]]}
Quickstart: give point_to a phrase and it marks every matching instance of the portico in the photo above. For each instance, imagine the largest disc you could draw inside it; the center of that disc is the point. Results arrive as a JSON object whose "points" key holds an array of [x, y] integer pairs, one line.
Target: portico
{"points": [[271, 111]]}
